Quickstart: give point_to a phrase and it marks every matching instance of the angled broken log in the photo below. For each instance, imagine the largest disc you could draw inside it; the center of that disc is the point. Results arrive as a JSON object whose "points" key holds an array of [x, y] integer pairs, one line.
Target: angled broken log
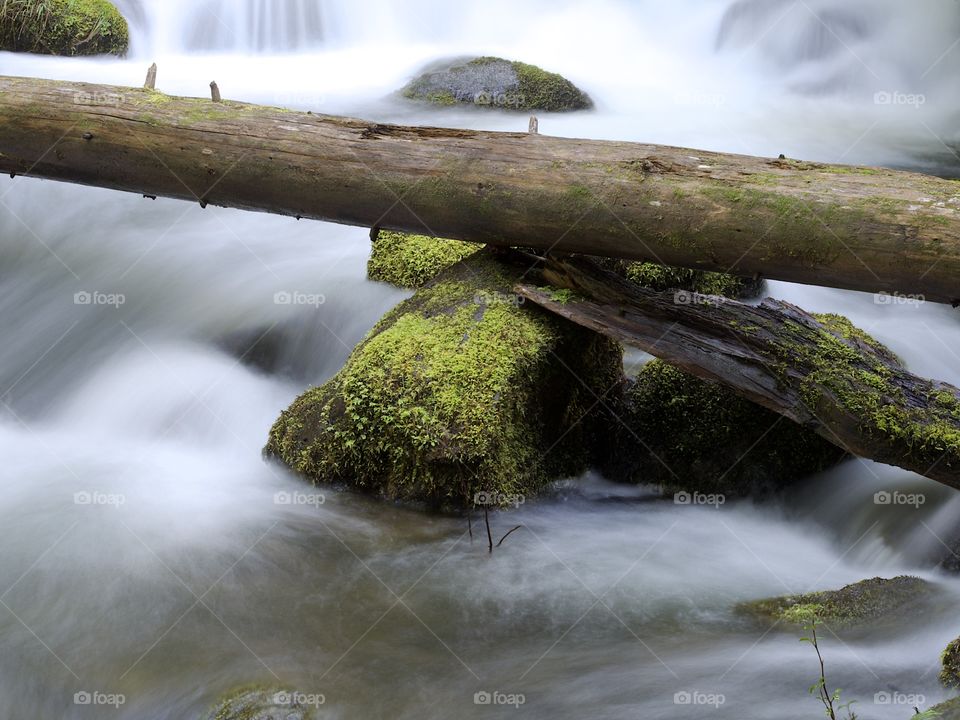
{"points": [[857, 228], [817, 370]]}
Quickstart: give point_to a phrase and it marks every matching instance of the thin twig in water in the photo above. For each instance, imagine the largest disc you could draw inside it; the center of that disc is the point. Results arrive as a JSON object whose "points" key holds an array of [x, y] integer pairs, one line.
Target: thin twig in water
{"points": [[508, 534]]}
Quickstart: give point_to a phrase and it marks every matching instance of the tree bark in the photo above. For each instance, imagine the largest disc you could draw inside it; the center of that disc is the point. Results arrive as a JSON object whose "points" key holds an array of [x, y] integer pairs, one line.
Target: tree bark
{"points": [[858, 228], [818, 371]]}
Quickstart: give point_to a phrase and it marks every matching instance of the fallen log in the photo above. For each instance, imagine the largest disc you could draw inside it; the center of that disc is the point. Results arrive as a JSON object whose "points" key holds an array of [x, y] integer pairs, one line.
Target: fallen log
{"points": [[817, 370], [864, 229]]}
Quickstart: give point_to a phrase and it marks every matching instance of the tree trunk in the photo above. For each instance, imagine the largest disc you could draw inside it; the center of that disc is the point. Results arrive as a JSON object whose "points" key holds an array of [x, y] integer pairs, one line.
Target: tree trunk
{"points": [[858, 228], [819, 371]]}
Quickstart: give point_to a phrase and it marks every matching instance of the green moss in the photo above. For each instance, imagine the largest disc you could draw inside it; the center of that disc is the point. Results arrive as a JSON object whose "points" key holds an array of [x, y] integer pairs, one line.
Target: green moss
{"points": [[548, 91], [865, 601], [686, 434], [950, 665], [663, 277], [512, 85], [409, 261], [455, 391], [62, 27], [257, 702], [949, 710], [845, 372]]}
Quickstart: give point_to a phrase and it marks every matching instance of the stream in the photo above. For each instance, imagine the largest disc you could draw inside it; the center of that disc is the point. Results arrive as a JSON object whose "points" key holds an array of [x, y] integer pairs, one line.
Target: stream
{"points": [[152, 561]]}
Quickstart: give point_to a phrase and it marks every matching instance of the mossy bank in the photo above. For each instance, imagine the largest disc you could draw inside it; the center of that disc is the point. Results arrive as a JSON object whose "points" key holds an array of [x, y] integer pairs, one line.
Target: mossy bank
{"points": [[497, 83], [461, 389], [63, 27]]}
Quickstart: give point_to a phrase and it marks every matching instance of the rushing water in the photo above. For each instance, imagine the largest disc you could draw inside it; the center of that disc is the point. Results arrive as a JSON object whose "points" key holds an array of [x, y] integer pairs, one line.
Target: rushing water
{"points": [[146, 552]]}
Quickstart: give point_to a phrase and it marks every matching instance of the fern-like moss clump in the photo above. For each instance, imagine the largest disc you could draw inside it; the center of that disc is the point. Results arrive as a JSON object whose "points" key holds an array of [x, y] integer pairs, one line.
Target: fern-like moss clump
{"points": [[63, 27], [866, 601], [462, 388], [409, 261]]}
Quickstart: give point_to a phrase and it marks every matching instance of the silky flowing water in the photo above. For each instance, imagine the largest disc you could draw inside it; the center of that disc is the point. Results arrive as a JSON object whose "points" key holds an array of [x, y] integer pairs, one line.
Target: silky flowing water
{"points": [[148, 550]]}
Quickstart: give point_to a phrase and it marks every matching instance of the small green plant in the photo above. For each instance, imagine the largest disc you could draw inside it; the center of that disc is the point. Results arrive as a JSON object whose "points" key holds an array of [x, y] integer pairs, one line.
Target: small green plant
{"points": [[833, 708]]}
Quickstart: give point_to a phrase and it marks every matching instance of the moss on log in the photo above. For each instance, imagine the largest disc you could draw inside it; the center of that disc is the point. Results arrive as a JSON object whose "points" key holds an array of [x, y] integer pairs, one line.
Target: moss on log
{"points": [[62, 27], [857, 228], [461, 389]]}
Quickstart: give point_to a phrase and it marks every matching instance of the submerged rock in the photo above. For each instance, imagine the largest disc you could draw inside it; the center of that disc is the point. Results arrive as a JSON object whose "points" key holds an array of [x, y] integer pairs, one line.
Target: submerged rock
{"points": [[410, 261], [865, 601], [687, 434], [495, 82], [460, 389], [260, 703], [63, 27]]}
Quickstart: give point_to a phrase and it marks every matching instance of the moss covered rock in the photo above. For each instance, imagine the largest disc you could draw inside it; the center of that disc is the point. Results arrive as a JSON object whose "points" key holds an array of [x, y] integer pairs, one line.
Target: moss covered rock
{"points": [[865, 601], [495, 82], [263, 703], [410, 261], [949, 710], [950, 665], [62, 27], [687, 434], [460, 389]]}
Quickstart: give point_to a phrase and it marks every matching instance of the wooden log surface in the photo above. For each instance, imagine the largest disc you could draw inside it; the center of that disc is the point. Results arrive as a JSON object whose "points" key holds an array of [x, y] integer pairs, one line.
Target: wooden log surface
{"points": [[864, 229], [818, 371]]}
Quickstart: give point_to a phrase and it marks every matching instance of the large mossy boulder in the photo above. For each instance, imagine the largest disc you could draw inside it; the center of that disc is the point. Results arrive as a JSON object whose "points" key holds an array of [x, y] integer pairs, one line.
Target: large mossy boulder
{"points": [[867, 601], [495, 82], [63, 27], [460, 389], [410, 261], [686, 434], [263, 703]]}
